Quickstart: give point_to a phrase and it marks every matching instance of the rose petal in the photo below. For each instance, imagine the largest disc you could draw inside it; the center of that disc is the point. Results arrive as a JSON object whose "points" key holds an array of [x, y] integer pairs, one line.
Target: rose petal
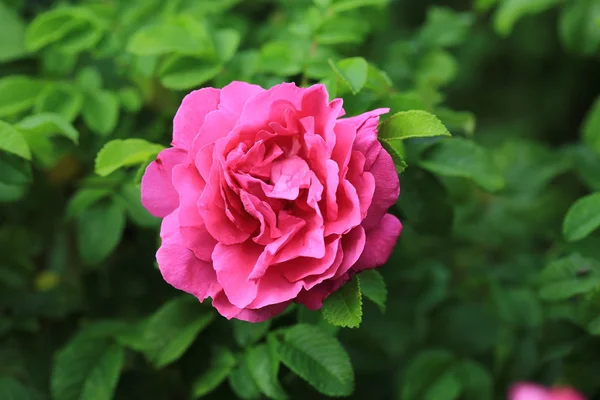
{"points": [[190, 115], [180, 267], [228, 310], [235, 95], [380, 242], [387, 188], [233, 265], [157, 191]]}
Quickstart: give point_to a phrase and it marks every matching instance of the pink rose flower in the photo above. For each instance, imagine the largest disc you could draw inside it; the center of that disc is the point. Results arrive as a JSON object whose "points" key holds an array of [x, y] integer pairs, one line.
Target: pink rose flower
{"points": [[268, 198], [531, 391]]}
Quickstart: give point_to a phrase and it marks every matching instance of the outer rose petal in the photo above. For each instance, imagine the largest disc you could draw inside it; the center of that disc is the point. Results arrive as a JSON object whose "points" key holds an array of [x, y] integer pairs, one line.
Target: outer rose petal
{"points": [[236, 94], [158, 193], [180, 267], [190, 115], [233, 264], [387, 188], [228, 310], [257, 110], [531, 391], [380, 243]]}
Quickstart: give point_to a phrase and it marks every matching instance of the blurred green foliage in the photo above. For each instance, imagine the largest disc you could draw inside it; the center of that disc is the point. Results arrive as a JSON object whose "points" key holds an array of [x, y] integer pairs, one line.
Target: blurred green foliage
{"points": [[496, 277]]}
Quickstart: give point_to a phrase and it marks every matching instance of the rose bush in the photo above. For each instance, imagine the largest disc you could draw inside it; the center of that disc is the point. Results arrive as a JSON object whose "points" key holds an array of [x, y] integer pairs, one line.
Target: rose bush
{"points": [[270, 197]]}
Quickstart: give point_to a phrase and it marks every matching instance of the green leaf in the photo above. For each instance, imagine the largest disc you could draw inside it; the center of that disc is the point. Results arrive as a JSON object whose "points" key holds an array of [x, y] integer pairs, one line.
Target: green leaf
{"points": [[510, 11], [283, 58], [317, 358], [48, 125], [591, 127], [12, 45], [242, 383], [120, 153], [12, 389], [87, 368], [446, 387], [344, 306], [180, 72], [475, 380], [372, 286], [227, 42], [100, 227], [423, 371], [12, 141], [378, 80], [60, 99], [582, 218], [351, 71], [172, 329], [183, 34], [130, 194], [84, 198], [263, 368], [247, 333], [412, 124], [74, 28], [348, 5], [101, 111], [445, 27], [17, 94], [436, 68], [15, 177], [457, 120], [88, 78], [131, 99], [222, 363], [568, 277], [464, 158], [579, 31]]}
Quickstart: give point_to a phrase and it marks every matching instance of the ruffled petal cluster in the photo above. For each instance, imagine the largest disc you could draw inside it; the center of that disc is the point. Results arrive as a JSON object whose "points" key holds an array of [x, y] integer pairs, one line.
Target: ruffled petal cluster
{"points": [[270, 197]]}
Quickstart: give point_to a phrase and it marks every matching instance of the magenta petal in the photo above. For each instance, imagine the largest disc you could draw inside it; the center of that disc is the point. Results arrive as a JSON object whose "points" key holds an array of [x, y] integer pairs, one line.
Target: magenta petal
{"points": [[180, 267], [233, 265], [387, 188], [190, 115], [235, 95], [228, 310], [157, 191], [380, 243]]}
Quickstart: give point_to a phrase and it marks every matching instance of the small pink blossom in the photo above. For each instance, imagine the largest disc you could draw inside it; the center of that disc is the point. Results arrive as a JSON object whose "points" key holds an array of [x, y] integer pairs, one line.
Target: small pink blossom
{"points": [[270, 197], [531, 391]]}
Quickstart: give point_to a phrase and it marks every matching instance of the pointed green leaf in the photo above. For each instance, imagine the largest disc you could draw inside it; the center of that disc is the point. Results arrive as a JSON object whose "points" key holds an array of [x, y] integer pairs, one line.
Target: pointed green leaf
{"points": [[344, 307], [317, 358], [222, 364], [227, 42], [373, 287], [591, 126], [12, 141], [569, 276], [246, 333], [101, 111], [242, 383], [179, 72], [582, 218], [261, 364], [17, 94], [351, 71], [99, 230], [119, 153], [12, 45], [48, 125], [412, 124], [171, 330], [61, 99], [87, 369], [510, 11], [425, 370], [464, 158]]}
